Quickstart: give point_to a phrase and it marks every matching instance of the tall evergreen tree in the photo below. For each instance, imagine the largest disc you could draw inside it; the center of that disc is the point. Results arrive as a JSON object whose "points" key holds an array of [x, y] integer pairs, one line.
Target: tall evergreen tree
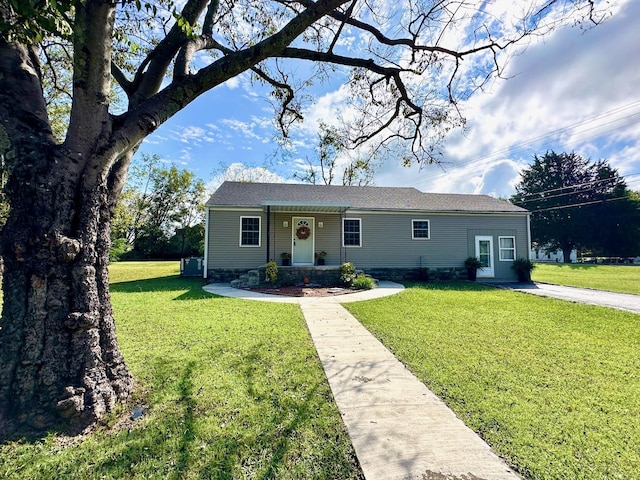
{"points": [[576, 203]]}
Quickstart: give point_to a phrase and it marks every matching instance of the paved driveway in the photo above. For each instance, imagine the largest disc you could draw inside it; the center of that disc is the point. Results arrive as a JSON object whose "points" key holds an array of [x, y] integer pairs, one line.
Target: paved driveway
{"points": [[621, 301]]}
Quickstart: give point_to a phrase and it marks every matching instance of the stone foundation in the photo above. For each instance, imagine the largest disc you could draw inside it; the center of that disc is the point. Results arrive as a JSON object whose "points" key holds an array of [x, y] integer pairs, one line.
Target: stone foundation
{"points": [[330, 275]]}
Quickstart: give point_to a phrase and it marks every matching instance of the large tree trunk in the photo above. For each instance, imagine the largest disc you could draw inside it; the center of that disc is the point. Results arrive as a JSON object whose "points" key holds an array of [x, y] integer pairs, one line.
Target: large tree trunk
{"points": [[59, 359], [567, 248]]}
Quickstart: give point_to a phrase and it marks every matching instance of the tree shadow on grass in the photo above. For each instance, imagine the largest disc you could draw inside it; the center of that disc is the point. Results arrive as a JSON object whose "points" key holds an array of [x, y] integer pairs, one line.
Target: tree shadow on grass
{"points": [[174, 283], [163, 447], [289, 414], [170, 437], [164, 442]]}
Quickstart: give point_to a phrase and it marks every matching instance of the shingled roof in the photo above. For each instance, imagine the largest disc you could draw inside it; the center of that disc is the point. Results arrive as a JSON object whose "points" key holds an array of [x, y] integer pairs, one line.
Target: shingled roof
{"points": [[243, 194]]}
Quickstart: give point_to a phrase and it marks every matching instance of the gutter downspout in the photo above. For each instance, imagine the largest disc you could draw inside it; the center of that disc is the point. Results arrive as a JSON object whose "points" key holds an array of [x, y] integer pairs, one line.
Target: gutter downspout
{"points": [[529, 235], [206, 243]]}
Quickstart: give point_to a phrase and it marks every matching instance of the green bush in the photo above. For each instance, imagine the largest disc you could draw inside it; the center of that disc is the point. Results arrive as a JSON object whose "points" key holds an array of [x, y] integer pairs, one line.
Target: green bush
{"points": [[523, 268], [119, 247], [363, 283], [271, 272], [347, 274]]}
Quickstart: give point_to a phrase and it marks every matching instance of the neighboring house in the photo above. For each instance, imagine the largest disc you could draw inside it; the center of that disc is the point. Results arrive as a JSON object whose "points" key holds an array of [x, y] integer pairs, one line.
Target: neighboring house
{"points": [[541, 255], [386, 231]]}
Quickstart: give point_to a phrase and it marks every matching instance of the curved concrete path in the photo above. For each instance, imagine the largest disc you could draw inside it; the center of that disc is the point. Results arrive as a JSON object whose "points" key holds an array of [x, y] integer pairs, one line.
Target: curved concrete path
{"points": [[620, 301], [400, 430], [384, 289]]}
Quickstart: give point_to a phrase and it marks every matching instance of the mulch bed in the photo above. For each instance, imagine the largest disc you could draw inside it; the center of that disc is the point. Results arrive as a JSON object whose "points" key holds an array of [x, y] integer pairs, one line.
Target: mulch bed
{"points": [[304, 291]]}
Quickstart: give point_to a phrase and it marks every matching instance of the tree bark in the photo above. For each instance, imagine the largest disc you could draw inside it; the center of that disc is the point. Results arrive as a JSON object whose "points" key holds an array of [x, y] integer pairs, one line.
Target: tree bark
{"points": [[60, 365], [59, 360]]}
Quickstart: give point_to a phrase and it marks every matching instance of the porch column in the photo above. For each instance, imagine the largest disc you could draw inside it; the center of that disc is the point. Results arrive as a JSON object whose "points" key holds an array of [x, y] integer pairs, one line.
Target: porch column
{"points": [[268, 231]]}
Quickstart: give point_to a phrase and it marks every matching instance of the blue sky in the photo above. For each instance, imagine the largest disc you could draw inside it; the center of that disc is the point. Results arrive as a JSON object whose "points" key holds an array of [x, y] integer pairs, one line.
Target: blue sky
{"points": [[575, 91]]}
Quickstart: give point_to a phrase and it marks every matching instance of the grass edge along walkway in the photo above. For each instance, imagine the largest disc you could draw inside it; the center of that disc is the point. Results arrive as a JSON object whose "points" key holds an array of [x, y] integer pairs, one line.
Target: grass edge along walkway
{"points": [[550, 385], [613, 278], [231, 389], [399, 428]]}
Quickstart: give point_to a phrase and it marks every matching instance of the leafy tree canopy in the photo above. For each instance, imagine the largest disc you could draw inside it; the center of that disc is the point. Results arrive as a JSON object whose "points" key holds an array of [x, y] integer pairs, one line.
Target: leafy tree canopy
{"points": [[157, 204], [577, 203]]}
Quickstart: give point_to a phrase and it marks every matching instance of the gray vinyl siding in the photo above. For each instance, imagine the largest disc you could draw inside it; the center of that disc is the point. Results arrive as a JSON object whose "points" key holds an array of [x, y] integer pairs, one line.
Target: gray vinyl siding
{"points": [[387, 242], [386, 239], [224, 250]]}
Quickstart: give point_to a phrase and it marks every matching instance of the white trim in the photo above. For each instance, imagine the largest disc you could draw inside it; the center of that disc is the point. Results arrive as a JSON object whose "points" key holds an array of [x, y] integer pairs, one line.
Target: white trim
{"points": [[500, 249], [294, 222], [428, 237], [259, 232], [360, 232], [489, 270], [206, 243], [236, 209], [431, 213]]}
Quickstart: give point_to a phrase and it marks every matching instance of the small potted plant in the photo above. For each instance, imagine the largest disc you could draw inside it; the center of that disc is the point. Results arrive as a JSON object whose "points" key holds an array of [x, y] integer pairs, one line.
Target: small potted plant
{"points": [[320, 257], [472, 264], [523, 268], [286, 259]]}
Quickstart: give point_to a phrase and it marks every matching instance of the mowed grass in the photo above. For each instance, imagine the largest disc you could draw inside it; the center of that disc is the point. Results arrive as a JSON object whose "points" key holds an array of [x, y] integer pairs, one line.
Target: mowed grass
{"points": [[552, 386], [232, 389], [614, 278]]}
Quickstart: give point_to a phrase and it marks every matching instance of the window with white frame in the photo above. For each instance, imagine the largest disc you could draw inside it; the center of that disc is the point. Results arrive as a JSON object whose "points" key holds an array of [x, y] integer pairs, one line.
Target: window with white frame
{"points": [[420, 230], [351, 232], [249, 231], [507, 247]]}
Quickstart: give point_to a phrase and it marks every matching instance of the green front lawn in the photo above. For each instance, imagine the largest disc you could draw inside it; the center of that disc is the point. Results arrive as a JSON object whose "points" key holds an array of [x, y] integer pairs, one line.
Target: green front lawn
{"points": [[552, 386], [615, 278], [233, 390]]}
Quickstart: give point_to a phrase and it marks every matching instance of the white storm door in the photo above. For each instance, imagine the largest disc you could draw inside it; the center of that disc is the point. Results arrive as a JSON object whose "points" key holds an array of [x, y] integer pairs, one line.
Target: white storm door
{"points": [[484, 252], [303, 235]]}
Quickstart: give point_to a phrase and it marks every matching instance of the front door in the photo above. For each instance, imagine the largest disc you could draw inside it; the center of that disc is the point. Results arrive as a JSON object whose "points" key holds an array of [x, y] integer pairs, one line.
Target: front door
{"points": [[303, 234], [484, 252]]}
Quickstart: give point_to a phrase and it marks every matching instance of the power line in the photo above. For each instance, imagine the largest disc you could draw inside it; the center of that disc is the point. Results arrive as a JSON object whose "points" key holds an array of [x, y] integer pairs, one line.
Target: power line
{"points": [[519, 146], [593, 182], [562, 207]]}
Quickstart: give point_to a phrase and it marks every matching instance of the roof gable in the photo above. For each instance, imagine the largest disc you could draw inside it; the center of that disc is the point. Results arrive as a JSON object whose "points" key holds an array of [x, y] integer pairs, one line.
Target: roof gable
{"points": [[244, 194]]}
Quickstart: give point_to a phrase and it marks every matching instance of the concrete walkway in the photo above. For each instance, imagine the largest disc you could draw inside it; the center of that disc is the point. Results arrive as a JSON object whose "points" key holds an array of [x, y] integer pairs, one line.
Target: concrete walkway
{"points": [[398, 427], [620, 301]]}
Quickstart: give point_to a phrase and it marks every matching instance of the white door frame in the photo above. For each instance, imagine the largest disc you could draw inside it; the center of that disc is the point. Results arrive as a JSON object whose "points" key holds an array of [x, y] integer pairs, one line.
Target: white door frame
{"points": [[309, 258], [487, 271]]}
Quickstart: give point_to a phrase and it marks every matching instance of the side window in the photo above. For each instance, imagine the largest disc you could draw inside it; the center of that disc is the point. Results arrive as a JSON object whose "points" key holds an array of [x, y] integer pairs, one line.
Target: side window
{"points": [[351, 232], [420, 230], [249, 231], [507, 248]]}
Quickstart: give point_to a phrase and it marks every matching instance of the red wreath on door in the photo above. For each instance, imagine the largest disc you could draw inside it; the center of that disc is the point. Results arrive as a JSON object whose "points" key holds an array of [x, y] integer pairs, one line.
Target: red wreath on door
{"points": [[303, 232]]}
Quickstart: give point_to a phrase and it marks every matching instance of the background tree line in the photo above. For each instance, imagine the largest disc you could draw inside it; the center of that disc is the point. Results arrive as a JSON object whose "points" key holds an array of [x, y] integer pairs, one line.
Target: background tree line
{"points": [[579, 204], [160, 213]]}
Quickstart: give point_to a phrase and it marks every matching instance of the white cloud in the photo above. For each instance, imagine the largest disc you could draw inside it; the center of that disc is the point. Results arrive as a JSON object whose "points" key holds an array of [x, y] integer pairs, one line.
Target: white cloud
{"points": [[232, 83], [247, 129], [574, 92], [238, 172]]}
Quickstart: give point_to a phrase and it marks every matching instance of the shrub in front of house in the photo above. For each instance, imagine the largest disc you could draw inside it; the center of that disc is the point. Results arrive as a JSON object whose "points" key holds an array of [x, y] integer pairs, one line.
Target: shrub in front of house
{"points": [[271, 272], [363, 283], [351, 278], [347, 274], [472, 264], [523, 268]]}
